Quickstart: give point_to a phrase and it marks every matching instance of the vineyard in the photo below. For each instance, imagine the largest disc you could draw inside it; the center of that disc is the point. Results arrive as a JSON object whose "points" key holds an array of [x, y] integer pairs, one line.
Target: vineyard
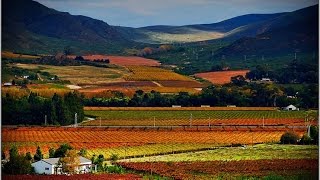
{"points": [[144, 73], [165, 114], [110, 140], [197, 122], [229, 169]]}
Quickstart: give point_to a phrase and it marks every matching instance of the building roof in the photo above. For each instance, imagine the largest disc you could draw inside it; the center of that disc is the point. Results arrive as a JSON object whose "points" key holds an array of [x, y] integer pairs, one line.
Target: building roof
{"points": [[54, 161], [291, 106]]}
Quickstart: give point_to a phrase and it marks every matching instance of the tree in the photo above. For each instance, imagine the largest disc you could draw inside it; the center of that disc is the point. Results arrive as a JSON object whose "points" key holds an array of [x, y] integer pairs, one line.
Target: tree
{"points": [[238, 80], [51, 153], [99, 162], [28, 156], [289, 138], [70, 162], [18, 164], [38, 156], [62, 150], [67, 50], [83, 152]]}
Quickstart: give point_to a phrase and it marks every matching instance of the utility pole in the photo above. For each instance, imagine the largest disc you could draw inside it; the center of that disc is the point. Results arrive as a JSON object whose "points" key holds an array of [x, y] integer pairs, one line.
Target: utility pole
{"points": [[190, 119], [263, 121], [209, 122], [154, 121], [75, 119], [295, 56]]}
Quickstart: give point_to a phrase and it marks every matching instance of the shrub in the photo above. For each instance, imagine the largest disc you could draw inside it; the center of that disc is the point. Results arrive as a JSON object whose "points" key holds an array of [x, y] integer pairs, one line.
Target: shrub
{"points": [[306, 140], [114, 169], [289, 138]]}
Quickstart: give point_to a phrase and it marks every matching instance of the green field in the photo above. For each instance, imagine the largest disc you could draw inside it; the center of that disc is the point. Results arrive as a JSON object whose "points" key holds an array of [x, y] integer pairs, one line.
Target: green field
{"points": [[260, 151], [150, 114]]}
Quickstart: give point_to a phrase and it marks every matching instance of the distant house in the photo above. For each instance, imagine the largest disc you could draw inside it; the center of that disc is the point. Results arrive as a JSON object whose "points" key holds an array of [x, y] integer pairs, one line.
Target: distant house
{"points": [[176, 106], [231, 106], [205, 105], [7, 84], [265, 80], [26, 77], [291, 108], [51, 166]]}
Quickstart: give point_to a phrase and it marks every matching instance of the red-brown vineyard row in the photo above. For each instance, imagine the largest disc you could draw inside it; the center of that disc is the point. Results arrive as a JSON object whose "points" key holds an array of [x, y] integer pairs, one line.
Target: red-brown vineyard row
{"points": [[194, 170]]}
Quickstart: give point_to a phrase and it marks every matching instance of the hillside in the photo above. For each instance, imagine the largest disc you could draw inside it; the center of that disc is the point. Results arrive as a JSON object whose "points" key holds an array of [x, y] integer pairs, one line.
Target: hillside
{"points": [[292, 32], [230, 29], [28, 25]]}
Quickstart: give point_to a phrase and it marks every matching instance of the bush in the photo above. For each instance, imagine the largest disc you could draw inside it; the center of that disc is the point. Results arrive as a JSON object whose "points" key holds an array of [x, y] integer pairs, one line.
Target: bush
{"points": [[306, 140], [289, 138], [114, 169]]}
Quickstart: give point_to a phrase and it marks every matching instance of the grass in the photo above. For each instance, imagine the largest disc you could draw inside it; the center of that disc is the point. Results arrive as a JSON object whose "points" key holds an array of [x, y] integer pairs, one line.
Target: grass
{"points": [[261, 151], [80, 74], [138, 115]]}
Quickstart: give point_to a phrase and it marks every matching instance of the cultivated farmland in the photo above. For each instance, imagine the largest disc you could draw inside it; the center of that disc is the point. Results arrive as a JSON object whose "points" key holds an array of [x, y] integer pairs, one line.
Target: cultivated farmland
{"points": [[123, 60], [221, 77], [81, 74], [144, 73]]}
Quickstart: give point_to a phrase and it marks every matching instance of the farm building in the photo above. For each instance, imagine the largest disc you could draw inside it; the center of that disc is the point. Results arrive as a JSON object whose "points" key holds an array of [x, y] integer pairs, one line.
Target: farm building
{"points": [[7, 84], [291, 108], [50, 166]]}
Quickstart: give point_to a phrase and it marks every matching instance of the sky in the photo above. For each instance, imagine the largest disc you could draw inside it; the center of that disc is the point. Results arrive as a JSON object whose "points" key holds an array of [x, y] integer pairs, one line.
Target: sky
{"points": [[139, 13]]}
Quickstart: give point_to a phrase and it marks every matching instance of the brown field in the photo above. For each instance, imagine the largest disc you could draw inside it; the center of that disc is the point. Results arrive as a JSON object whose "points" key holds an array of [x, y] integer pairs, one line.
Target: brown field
{"points": [[123, 60], [221, 77], [7, 54]]}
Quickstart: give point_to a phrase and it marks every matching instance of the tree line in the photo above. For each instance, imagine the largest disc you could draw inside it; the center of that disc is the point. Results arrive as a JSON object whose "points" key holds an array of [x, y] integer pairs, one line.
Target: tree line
{"points": [[37, 110], [247, 94]]}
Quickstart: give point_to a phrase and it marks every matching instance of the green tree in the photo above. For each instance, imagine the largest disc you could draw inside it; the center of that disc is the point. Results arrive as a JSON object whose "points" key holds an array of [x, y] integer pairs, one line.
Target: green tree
{"points": [[62, 150], [38, 155], [289, 138], [51, 153], [28, 156], [18, 164], [83, 152]]}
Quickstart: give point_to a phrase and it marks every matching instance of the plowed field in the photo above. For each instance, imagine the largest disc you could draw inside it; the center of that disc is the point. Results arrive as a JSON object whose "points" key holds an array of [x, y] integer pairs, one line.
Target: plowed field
{"points": [[221, 77]]}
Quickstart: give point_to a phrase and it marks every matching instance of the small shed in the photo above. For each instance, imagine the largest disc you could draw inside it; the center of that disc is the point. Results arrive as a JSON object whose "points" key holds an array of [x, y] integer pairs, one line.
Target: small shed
{"points": [[291, 108]]}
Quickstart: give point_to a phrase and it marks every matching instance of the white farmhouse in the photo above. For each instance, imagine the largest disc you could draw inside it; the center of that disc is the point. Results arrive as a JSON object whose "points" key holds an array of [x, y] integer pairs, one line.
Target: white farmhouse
{"points": [[50, 166], [291, 108]]}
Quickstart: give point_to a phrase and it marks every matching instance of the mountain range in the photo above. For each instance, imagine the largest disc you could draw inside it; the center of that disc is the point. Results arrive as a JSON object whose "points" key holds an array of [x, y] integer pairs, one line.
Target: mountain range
{"points": [[28, 26]]}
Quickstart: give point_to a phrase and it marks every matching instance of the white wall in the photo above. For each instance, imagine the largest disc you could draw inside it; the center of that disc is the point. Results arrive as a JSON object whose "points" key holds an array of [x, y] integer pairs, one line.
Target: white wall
{"points": [[40, 167]]}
